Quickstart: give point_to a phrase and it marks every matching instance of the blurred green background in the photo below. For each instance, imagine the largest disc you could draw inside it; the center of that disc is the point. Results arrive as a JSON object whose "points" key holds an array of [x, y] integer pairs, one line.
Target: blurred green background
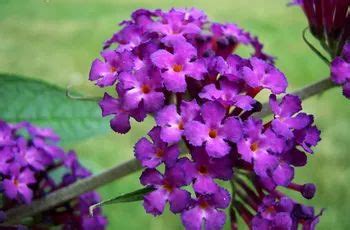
{"points": [[56, 40]]}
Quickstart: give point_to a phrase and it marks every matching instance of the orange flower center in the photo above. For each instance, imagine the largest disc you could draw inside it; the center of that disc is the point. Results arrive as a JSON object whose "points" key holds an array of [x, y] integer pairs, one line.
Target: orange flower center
{"points": [[203, 170], [113, 69], [203, 205], [167, 186], [254, 146], [159, 152], [181, 125], [213, 133], [145, 89], [177, 68]]}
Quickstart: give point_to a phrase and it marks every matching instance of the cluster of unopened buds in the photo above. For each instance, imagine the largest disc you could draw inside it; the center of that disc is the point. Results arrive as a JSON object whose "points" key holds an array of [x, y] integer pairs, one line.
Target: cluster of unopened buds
{"points": [[180, 68], [33, 166], [329, 22]]}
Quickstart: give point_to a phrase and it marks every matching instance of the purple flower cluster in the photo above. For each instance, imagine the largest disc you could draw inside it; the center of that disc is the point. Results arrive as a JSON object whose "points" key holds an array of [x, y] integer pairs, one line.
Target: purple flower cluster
{"points": [[340, 70], [181, 68], [32, 166], [329, 21]]}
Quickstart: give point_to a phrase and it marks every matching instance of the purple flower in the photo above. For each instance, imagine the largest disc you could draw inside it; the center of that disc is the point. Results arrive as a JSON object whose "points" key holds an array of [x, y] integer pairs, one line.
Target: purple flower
{"points": [[142, 86], [206, 211], [286, 120], [172, 124], [121, 121], [214, 131], [274, 214], [205, 169], [260, 74], [176, 66], [153, 154], [177, 23], [230, 30], [256, 146], [106, 73], [340, 70], [17, 187], [5, 134], [167, 189], [307, 137], [6, 155], [228, 95]]}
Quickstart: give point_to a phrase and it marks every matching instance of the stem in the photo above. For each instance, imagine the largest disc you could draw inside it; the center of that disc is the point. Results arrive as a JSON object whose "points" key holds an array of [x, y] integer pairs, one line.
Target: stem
{"points": [[63, 195], [313, 48]]}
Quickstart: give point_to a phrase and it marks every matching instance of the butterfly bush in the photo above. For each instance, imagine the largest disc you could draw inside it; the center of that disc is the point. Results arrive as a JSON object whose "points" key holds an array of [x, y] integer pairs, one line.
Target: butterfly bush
{"points": [[32, 166], [182, 69], [329, 21]]}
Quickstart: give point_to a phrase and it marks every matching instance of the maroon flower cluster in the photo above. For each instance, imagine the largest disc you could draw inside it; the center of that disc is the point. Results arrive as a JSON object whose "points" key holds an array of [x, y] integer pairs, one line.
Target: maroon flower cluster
{"points": [[181, 69], [329, 21], [32, 166]]}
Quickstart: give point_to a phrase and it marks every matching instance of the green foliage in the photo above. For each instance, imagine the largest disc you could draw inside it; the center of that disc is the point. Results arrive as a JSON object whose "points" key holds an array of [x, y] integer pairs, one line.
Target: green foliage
{"points": [[125, 198], [24, 99]]}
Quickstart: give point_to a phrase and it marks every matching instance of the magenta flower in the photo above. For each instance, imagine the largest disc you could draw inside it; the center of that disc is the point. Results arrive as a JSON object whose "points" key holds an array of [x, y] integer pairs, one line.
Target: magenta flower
{"points": [[106, 73], [153, 154], [177, 23], [228, 95], [214, 131], [167, 189], [286, 120], [261, 74], [172, 124], [178, 65], [206, 211], [256, 146]]}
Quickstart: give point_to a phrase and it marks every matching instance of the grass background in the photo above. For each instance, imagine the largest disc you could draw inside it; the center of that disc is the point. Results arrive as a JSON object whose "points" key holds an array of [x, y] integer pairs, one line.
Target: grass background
{"points": [[56, 40]]}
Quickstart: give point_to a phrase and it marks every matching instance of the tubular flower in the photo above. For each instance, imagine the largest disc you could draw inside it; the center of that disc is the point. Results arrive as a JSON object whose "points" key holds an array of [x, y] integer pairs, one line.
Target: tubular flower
{"points": [[329, 21], [32, 166], [205, 109]]}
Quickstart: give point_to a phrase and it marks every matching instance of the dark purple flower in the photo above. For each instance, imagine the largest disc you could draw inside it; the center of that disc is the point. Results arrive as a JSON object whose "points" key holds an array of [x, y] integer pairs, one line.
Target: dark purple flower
{"points": [[121, 121], [206, 211], [167, 189], [286, 117], [307, 137], [176, 66], [261, 74], [153, 154], [17, 186], [274, 214], [172, 124], [214, 131], [205, 169]]}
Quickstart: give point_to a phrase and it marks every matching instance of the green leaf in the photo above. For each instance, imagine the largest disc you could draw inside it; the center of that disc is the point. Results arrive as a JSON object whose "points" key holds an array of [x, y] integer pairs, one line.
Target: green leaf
{"points": [[24, 99], [125, 198]]}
